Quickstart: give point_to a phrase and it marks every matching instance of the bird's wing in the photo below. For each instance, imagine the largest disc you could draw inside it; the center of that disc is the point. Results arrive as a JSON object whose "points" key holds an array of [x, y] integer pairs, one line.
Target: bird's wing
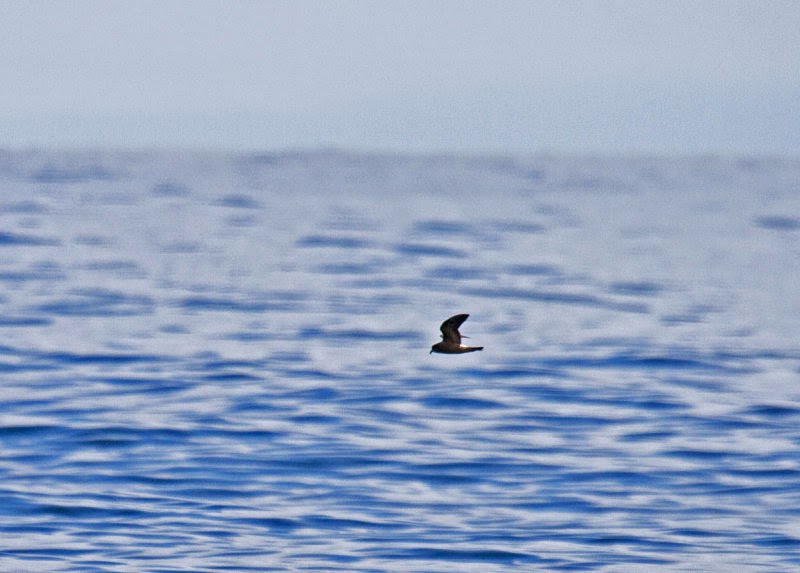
{"points": [[450, 328]]}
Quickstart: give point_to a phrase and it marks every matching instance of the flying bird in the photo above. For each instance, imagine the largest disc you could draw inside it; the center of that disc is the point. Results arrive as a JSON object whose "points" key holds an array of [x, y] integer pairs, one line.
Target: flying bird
{"points": [[451, 337]]}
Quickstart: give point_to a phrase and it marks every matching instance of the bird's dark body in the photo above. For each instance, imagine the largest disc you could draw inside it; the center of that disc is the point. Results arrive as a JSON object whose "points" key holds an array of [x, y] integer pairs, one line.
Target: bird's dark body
{"points": [[451, 337]]}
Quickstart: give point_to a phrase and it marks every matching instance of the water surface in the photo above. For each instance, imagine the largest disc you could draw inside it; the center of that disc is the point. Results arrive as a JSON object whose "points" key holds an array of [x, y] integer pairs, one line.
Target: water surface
{"points": [[216, 362]]}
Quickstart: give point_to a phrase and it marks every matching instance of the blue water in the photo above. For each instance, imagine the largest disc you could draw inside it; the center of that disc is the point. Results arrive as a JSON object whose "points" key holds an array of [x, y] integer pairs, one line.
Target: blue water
{"points": [[216, 362]]}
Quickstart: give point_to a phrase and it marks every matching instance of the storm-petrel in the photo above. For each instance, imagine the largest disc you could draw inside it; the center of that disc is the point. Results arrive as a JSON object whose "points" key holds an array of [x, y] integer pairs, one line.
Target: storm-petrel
{"points": [[451, 338]]}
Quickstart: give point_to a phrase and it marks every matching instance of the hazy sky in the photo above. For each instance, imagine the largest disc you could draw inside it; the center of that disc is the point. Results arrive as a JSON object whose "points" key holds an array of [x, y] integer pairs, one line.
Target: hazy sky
{"points": [[414, 75]]}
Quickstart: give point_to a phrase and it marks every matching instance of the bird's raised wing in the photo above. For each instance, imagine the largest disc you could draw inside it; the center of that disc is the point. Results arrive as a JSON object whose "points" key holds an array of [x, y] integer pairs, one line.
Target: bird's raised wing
{"points": [[450, 328]]}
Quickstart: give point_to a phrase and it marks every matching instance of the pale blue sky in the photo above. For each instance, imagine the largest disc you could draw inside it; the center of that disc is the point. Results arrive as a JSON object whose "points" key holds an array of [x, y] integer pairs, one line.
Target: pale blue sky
{"points": [[414, 75]]}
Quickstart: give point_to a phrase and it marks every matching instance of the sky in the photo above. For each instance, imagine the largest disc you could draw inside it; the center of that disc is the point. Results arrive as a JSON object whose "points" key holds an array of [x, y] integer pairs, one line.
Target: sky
{"points": [[414, 76]]}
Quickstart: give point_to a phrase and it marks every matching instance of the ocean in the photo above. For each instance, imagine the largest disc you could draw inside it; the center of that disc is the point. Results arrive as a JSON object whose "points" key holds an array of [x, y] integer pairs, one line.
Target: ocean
{"points": [[220, 361]]}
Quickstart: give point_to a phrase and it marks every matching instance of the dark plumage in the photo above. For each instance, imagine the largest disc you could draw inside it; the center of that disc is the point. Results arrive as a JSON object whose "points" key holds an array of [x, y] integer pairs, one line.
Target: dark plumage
{"points": [[451, 337]]}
